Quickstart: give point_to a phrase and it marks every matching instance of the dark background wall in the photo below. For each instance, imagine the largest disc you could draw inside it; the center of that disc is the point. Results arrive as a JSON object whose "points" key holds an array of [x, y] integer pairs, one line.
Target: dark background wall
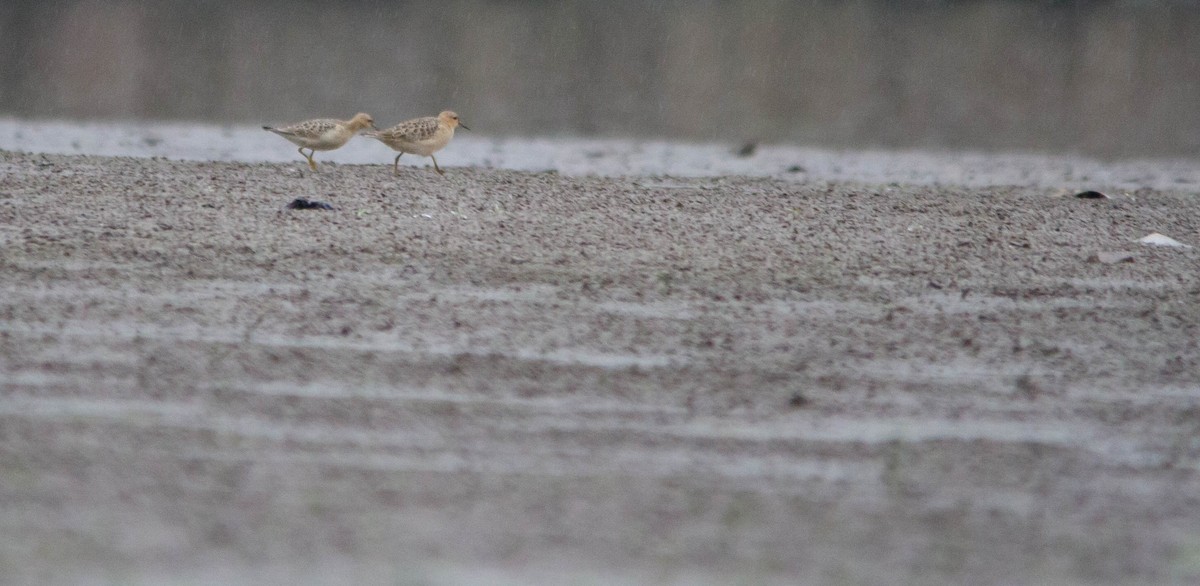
{"points": [[1108, 78]]}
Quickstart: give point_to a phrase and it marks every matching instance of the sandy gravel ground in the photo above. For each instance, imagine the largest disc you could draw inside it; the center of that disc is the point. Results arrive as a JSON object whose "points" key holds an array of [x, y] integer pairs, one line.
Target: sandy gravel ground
{"points": [[500, 376]]}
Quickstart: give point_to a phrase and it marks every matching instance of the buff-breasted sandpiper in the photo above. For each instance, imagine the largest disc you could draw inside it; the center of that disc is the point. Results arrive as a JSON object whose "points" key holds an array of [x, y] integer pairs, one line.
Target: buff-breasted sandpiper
{"points": [[323, 134], [419, 136]]}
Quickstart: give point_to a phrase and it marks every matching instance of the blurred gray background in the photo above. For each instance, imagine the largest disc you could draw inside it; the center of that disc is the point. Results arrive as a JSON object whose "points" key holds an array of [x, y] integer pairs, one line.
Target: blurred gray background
{"points": [[1118, 78]]}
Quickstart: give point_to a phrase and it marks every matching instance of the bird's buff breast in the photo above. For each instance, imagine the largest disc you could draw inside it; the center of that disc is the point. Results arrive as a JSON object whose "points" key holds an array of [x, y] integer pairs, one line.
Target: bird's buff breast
{"points": [[332, 139], [430, 145]]}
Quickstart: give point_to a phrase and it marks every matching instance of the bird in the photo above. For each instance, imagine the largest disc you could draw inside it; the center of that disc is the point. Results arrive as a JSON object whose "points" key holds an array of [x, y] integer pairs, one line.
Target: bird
{"points": [[323, 134], [419, 136]]}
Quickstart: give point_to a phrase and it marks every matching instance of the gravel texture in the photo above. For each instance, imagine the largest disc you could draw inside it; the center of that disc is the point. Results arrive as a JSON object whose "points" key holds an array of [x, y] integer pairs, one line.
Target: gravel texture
{"points": [[499, 375]]}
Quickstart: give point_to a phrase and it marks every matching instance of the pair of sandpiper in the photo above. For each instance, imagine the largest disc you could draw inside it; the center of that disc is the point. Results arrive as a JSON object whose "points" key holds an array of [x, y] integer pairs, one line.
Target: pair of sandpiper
{"points": [[419, 136]]}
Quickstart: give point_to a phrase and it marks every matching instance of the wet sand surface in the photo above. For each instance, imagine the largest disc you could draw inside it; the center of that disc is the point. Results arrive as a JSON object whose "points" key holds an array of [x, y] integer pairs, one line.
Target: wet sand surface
{"points": [[503, 376], [613, 157]]}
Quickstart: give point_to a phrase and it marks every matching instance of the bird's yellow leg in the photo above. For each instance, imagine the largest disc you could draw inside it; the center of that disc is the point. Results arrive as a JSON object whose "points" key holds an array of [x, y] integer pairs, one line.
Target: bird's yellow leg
{"points": [[435, 167], [396, 165], [311, 163]]}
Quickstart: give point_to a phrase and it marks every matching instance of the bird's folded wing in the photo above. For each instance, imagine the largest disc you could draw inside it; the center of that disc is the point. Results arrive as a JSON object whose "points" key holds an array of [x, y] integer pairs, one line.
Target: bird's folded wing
{"points": [[309, 128], [411, 130]]}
